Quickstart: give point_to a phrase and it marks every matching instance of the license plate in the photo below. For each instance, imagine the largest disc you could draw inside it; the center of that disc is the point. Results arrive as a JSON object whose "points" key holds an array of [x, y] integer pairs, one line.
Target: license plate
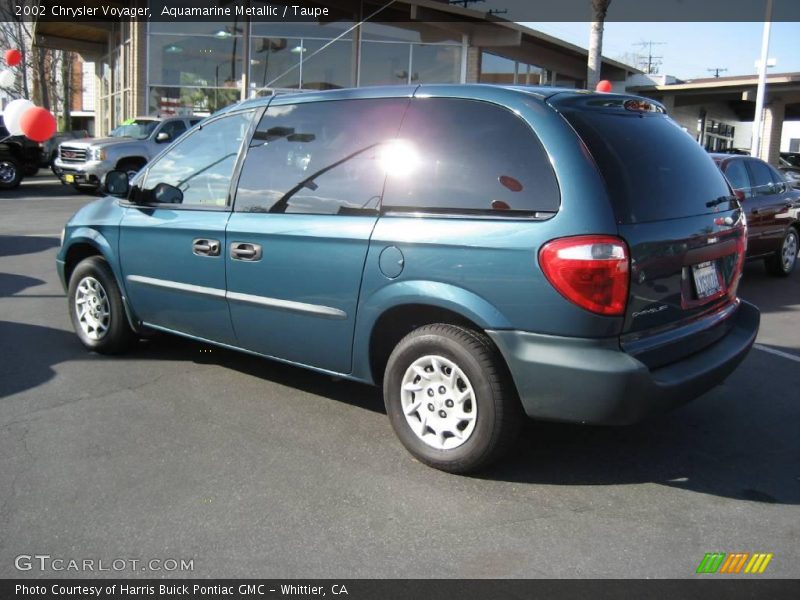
{"points": [[69, 178], [706, 279]]}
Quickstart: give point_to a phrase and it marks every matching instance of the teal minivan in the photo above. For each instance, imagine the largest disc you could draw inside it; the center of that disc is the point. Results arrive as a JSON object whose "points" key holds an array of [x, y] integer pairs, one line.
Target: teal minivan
{"points": [[481, 252]]}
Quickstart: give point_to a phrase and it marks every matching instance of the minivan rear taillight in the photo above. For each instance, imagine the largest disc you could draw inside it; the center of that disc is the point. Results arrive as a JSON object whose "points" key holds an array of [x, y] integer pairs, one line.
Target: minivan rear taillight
{"points": [[590, 270]]}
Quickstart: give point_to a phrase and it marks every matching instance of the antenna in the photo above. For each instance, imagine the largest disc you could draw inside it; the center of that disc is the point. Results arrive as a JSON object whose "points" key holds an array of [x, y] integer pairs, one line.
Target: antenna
{"points": [[650, 63], [716, 70]]}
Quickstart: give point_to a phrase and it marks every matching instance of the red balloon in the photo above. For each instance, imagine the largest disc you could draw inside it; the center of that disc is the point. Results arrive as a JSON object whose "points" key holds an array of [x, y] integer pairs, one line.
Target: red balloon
{"points": [[13, 57], [38, 124], [604, 85]]}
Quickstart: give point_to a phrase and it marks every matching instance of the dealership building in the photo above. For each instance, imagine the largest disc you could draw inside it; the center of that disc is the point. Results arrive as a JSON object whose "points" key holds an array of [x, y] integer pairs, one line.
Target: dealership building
{"points": [[181, 67]]}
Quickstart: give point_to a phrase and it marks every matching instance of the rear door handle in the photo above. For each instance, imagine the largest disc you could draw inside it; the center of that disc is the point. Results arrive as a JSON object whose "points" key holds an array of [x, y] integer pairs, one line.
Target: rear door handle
{"points": [[245, 251], [205, 247]]}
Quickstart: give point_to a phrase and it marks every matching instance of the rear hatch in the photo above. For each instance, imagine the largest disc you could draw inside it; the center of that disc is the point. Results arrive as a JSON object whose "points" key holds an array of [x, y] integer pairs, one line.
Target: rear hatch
{"points": [[685, 232]]}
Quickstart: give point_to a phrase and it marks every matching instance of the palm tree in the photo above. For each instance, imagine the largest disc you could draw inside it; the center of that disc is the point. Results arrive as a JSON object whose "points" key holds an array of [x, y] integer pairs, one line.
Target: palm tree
{"points": [[599, 10]]}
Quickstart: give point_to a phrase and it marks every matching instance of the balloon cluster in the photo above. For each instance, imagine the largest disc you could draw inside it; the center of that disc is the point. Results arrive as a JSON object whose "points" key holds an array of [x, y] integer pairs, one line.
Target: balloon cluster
{"points": [[22, 117]]}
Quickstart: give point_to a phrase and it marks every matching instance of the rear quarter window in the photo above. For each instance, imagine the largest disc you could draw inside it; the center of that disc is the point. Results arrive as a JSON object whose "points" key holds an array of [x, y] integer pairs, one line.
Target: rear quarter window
{"points": [[653, 169], [470, 157]]}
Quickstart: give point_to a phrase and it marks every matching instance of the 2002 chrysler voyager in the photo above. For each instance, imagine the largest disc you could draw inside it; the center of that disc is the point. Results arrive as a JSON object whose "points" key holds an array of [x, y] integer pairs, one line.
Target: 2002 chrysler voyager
{"points": [[479, 251]]}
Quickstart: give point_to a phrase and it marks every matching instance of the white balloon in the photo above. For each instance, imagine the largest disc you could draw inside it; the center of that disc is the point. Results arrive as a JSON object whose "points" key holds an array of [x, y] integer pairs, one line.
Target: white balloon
{"points": [[7, 78], [13, 113]]}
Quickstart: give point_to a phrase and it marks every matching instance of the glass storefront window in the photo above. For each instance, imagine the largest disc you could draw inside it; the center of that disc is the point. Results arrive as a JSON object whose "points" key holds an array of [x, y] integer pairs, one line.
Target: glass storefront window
{"points": [[323, 31], [384, 64], [416, 32], [497, 69], [105, 77], [195, 60], [271, 58], [168, 101], [219, 29], [436, 64], [331, 69]]}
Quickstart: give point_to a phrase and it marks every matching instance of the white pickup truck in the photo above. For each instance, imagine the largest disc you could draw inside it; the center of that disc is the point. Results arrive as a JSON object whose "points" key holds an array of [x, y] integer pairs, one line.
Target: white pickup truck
{"points": [[84, 163]]}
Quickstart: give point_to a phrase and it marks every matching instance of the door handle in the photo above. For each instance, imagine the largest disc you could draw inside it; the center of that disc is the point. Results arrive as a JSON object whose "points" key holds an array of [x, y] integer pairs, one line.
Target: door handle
{"points": [[205, 247], [245, 251]]}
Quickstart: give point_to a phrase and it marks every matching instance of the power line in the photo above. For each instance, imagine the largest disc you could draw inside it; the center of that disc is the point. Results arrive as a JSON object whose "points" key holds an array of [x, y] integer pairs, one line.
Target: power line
{"points": [[716, 70]]}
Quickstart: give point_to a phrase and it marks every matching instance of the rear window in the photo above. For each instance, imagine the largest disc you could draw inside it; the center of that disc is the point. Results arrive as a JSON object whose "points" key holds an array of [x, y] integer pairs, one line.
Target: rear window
{"points": [[653, 169], [471, 158]]}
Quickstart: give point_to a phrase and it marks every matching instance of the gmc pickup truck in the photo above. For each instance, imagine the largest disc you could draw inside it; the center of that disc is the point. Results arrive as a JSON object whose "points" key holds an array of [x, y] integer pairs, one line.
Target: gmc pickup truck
{"points": [[128, 148]]}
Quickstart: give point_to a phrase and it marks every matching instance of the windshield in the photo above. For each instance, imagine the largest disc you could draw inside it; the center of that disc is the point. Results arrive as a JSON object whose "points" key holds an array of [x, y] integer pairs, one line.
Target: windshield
{"points": [[137, 129]]}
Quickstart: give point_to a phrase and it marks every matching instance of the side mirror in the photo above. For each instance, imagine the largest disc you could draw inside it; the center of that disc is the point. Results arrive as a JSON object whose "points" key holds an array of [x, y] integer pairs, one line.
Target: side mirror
{"points": [[165, 193], [163, 137], [117, 184]]}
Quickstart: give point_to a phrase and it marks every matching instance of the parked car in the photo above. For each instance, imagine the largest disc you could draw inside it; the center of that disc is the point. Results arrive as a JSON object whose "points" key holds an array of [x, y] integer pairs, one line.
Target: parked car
{"points": [[789, 165], [480, 252], [792, 176], [740, 151], [772, 207], [50, 147], [19, 158], [128, 148], [790, 159]]}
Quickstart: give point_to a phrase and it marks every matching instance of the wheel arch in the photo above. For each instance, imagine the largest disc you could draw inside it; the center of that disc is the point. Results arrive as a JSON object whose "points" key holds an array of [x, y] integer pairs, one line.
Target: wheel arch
{"points": [[141, 160], [399, 308], [84, 243]]}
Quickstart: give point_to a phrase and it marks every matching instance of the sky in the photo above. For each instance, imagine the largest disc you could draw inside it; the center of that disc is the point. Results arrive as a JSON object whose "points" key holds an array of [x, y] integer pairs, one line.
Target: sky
{"points": [[689, 49]]}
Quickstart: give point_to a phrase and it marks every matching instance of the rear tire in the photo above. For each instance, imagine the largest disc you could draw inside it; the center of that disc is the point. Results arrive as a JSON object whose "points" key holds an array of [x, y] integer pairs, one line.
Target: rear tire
{"points": [[96, 308], [10, 174], [782, 263], [450, 399]]}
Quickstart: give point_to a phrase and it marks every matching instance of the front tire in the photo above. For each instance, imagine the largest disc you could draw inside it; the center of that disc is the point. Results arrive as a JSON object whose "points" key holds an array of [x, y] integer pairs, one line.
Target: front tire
{"points": [[96, 309], [10, 174], [783, 262], [449, 398], [131, 167]]}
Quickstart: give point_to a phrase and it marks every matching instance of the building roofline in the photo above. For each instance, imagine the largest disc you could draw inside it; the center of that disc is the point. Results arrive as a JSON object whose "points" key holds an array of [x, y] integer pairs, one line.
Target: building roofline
{"points": [[712, 83]]}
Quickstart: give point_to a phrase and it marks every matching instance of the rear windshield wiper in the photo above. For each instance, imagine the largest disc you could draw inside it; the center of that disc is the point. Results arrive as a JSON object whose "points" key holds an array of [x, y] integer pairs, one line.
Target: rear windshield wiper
{"points": [[720, 200]]}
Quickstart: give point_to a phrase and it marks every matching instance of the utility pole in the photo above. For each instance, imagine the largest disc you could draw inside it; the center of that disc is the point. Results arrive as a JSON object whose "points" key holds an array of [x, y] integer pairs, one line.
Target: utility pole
{"points": [[650, 62], [716, 70]]}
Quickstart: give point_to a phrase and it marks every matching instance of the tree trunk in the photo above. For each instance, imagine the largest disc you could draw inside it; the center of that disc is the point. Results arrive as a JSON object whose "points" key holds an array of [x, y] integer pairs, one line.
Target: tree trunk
{"points": [[24, 63], [41, 68], [599, 10], [66, 90]]}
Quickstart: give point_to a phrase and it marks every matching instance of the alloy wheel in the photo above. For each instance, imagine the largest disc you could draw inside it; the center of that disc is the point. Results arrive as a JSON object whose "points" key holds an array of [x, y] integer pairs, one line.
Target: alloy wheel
{"points": [[789, 251], [438, 402], [92, 308], [8, 171]]}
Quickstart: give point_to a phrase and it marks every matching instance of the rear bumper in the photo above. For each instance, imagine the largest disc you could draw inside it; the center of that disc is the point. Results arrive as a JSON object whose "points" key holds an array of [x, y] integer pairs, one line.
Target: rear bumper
{"points": [[594, 381]]}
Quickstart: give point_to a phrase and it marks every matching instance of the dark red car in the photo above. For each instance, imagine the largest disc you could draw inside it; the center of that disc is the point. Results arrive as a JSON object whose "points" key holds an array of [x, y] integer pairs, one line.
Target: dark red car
{"points": [[772, 207]]}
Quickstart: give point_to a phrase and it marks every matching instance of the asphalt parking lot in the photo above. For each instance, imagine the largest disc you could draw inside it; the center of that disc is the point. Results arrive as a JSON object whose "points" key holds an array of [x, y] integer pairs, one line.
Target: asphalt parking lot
{"points": [[254, 469]]}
